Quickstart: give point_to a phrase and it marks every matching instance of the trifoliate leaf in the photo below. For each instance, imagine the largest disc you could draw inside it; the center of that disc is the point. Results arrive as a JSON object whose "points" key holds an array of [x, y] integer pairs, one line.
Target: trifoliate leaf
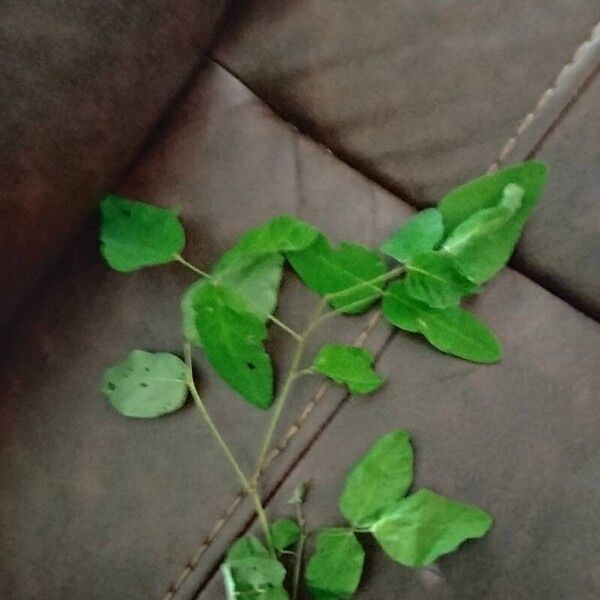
{"points": [[285, 533], [422, 232], [146, 384], [424, 526], [433, 278], [232, 338], [482, 244], [281, 234], [328, 270], [335, 569], [350, 366], [135, 234], [451, 330], [250, 573], [378, 480], [465, 200]]}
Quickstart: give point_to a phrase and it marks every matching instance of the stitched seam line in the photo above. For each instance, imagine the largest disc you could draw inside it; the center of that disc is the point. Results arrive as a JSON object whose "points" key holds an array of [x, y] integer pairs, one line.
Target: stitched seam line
{"points": [[275, 452], [544, 99]]}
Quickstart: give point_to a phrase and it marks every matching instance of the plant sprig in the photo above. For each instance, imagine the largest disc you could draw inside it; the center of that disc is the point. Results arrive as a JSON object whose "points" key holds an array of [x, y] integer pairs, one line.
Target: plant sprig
{"points": [[441, 255]]}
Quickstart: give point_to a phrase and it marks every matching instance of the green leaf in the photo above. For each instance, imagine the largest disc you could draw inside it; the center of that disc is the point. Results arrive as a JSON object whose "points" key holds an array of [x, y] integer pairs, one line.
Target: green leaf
{"points": [[350, 366], [425, 526], [328, 270], [135, 234], [232, 338], [462, 202], [250, 573], [285, 533], [434, 279], [482, 244], [334, 571], [299, 493], [146, 385], [281, 234], [256, 279], [378, 480], [451, 330], [422, 232]]}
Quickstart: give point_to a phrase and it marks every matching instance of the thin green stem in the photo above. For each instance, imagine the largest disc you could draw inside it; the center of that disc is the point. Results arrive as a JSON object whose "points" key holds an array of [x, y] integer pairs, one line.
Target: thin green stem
{"points": [[271, 318], [248, 488], [370, 283], [299, 551]]}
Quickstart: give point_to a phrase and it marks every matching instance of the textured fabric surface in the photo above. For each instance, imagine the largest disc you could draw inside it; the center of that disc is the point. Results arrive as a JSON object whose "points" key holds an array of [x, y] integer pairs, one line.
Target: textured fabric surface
{"points": [[81, 85]]}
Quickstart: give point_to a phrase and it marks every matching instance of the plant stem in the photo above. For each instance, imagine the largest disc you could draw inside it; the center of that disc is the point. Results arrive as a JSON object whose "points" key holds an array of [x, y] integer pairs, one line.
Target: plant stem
{"points": [[299, 551], [370, 283], [271, 318], [248, 488]]}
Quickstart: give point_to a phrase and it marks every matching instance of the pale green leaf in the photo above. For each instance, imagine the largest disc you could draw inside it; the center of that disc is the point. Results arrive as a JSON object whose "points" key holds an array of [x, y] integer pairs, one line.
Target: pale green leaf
{"points": [[284, 533], [335, 569], [424, 526], [422, 232], [135, 234], [462, 202], [299, 493], [146, 385], [378, 480], [284, 233], [451, 330], [250, 573], [351, 267], [232, 338], [482, 244], [433, 278], [350, 366]]}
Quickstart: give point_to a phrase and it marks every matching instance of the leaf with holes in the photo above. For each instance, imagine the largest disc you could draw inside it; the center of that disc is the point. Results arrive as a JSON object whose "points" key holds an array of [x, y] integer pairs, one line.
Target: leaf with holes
{"points": [[350, 366], [351, 267], [232, 338], [146, 384], [250, 573], [135, 235], [421, 233], [425, 525], [379, 479], [285, 533], [335, 569], [433, 278], [451, 330]]}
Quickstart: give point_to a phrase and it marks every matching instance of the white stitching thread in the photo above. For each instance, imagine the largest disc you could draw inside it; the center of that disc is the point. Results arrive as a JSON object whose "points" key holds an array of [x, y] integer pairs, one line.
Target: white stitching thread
{"points": [[545, 97]]}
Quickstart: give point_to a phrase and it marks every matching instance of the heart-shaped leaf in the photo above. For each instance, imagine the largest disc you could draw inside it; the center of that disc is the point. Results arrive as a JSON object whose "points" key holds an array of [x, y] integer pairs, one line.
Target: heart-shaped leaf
{"points": [[350, 366], [421, 233], [351, 267], [378, 480], [146, 385], [135, 235], [335, 569], [232, 338], [451, 330], [425, 525]]}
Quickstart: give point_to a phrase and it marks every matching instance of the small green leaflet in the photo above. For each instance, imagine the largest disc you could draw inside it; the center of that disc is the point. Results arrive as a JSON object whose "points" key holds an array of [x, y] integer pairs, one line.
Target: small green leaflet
{"points": [[135, 235], [232, 339], [328, 270], [299, 493], [350, 366], [281, 234], [482, 244], [424, 526], [334, 571], [465, 200], [146, 385], [451, 330], [285, 533], [378, 480], [250, 573], [434, 279], [421, 233]]}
